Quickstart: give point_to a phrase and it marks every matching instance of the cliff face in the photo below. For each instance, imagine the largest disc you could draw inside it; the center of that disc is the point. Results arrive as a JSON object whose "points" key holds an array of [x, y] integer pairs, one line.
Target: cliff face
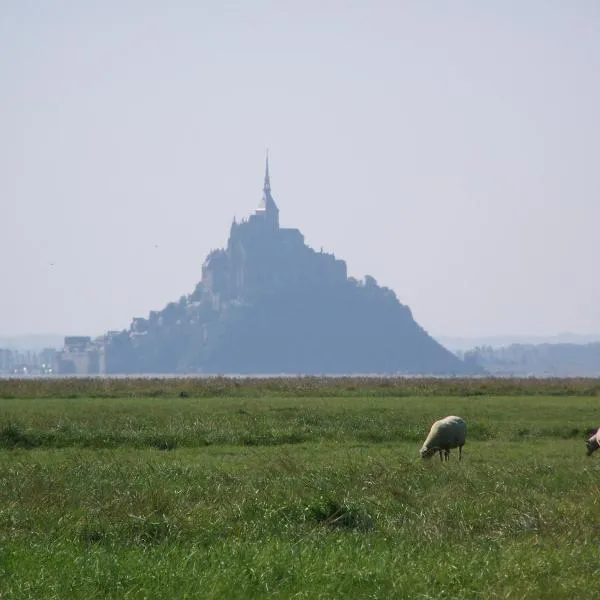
{"points": [[269, 304]]}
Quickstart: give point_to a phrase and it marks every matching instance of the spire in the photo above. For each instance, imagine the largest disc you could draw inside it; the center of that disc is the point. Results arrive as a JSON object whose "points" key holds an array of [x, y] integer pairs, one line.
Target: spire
{"points": [[267, 208], [267, 186]]}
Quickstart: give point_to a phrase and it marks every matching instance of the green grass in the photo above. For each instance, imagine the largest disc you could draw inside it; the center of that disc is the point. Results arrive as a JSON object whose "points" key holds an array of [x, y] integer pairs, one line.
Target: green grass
{"points": [[296, 496]]}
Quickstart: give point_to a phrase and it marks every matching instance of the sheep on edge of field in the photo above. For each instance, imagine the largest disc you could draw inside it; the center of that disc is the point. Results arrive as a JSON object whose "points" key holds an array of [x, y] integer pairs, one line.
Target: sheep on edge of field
{"points": [[445, 434], [593, 443]]}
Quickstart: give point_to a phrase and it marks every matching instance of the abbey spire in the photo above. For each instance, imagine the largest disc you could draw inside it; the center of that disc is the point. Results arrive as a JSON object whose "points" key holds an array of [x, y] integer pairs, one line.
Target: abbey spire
{"points": [[267, 209], [267, 186]]}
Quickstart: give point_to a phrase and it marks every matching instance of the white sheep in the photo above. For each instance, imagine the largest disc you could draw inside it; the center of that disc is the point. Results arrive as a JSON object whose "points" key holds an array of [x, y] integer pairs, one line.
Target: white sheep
{"points": [[593, 443], [447, 433]]}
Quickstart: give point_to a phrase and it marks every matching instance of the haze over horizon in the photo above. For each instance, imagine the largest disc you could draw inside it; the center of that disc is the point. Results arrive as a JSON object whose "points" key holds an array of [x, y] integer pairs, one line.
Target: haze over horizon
{"points": [[448, 151]]}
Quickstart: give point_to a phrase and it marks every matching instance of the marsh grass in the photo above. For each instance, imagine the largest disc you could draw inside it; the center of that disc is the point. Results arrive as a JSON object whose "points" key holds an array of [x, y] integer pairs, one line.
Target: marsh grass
{"points": [[303, 497], [165, 388]]}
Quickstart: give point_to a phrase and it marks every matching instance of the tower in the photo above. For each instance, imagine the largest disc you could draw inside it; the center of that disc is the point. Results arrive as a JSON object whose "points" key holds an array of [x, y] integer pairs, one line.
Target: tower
{"points": [[267, 209]]}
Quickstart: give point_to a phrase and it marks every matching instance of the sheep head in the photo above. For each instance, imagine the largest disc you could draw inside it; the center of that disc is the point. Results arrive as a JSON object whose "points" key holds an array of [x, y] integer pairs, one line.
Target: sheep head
{"points": [[592, 445], [428, 452]]}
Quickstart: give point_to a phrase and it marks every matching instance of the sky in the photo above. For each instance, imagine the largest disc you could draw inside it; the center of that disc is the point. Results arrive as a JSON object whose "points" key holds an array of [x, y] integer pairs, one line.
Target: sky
{"points": [[448, 149]]}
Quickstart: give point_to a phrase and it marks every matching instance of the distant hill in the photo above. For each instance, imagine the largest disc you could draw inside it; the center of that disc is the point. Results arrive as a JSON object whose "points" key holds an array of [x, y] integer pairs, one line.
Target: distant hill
{"points": [[541, 360], [454, 343], [270, 304]]}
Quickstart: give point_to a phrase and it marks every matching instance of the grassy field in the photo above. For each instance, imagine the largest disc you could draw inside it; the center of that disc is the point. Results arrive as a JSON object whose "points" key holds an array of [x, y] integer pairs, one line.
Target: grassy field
{"points": [[184, 489]]}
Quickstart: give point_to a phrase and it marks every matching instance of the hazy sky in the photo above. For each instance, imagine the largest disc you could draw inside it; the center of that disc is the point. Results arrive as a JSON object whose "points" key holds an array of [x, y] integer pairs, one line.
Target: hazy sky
{"points": [[449, 149]]}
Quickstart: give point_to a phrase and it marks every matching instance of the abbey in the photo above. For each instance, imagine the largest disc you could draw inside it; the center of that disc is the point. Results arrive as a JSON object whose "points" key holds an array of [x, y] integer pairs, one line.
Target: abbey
{"points": [[260, 256], [269, 304]]}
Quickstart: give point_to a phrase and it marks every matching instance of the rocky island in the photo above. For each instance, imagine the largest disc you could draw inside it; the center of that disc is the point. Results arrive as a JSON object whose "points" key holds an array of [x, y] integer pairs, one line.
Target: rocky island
{"points": [[269, 304]]}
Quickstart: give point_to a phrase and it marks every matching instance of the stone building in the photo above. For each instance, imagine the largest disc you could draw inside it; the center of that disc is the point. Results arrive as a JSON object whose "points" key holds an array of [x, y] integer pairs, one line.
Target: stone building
{"points": [[262, 255], [81, 355]]}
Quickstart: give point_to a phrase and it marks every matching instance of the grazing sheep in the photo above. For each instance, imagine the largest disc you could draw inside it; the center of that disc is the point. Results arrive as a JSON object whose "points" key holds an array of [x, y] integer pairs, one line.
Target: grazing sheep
{"points": [[593, 443], [445, 434]]}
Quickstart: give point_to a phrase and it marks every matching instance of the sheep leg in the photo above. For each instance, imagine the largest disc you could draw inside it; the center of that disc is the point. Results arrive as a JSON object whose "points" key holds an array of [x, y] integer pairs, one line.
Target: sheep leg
{"points": [[460, 453], [441, 457]]}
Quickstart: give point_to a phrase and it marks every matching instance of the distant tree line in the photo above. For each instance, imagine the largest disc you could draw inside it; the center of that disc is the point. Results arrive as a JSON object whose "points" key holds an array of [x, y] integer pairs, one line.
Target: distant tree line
{"points": [[558, 360]]}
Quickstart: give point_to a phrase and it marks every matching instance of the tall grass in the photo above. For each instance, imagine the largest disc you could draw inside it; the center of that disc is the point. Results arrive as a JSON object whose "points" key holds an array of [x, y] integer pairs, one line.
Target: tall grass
{"points": [[296, 497], [167, 387]]}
